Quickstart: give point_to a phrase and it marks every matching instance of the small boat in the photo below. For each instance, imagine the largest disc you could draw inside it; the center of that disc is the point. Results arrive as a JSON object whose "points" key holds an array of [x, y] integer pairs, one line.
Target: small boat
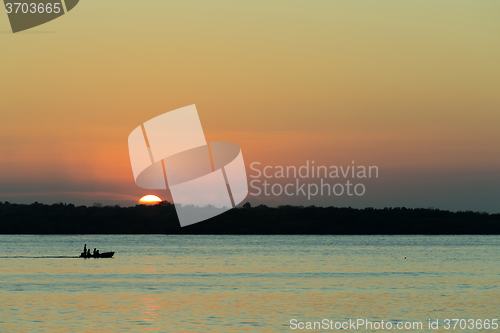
{"points": [[99, 255]]}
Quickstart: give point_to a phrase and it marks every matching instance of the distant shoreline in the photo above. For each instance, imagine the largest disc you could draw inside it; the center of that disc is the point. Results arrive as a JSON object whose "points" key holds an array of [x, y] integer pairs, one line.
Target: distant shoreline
{"points": [[67, 219]]}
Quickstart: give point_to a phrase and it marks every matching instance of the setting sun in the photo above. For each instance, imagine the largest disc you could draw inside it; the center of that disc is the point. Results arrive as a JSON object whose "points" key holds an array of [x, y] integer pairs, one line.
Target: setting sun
{"points": [[150, 199]]}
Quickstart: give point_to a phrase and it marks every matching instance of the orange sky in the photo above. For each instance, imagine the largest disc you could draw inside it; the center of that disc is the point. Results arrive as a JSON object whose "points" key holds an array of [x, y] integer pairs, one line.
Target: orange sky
{"points": [[409, 86]]}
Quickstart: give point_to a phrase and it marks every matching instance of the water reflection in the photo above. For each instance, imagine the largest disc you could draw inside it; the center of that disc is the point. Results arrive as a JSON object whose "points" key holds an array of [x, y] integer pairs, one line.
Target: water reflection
{"points": [[243, 283], [151, 309]]}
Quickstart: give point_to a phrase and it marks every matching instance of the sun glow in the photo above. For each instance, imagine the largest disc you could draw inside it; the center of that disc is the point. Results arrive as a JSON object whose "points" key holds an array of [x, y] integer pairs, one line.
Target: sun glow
{"points": [[149, 199]]}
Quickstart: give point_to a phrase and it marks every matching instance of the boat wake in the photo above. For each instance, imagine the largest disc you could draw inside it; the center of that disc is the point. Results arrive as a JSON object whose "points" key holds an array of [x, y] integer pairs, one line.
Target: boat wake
{"points": [[41, 257]]}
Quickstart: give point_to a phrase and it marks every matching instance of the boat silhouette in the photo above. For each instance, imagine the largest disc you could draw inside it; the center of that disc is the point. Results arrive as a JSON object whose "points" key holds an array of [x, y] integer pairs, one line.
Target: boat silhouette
{"points": [[97, 255]]}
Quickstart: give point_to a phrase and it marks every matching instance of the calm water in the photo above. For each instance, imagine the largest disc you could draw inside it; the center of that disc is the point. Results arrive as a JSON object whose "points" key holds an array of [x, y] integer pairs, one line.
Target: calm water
{"points": [[242, 283]]}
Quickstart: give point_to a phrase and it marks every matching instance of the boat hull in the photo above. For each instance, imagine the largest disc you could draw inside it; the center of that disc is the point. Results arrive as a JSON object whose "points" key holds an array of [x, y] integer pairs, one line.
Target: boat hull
{"points": [[100, 255]]}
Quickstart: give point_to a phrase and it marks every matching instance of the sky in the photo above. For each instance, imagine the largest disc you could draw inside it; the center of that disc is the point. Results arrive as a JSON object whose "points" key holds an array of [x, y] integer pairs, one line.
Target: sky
{"points": [[411, 87]]}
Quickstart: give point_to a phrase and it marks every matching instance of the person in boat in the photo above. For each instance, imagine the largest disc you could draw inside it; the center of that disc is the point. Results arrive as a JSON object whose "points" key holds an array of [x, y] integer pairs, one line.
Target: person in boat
{"points": [[94, 252], [84, 253], [88, 253], [97, 253]]}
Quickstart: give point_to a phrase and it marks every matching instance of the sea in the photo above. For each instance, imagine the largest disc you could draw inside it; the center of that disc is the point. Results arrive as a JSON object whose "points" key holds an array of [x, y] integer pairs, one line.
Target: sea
{"points": [[258, 283]]}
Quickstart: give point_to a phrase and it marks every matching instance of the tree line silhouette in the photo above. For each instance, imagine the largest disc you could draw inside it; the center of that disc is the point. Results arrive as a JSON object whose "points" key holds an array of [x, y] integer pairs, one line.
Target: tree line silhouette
{"points": [[162, 219]]}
